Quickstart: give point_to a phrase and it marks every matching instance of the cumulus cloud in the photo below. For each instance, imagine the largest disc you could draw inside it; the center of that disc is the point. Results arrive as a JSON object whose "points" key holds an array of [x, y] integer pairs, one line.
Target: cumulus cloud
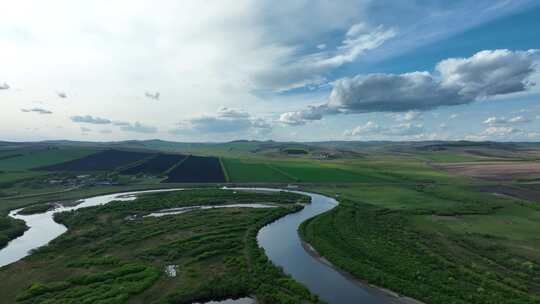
{"points": [[297, 118], [372, 128], [36, 110], [408, 116], [519, 119], [135, 127], [4, 86], [500, 131], [368, 128], [456, 81], [309, 69], [138, 127], [226, 120], [61, 94], [488, 73], [502, 120], [90, 120]]}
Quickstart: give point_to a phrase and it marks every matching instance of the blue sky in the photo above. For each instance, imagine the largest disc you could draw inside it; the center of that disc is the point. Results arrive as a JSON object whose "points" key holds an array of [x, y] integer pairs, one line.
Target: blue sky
{"points": [[301, 70]]}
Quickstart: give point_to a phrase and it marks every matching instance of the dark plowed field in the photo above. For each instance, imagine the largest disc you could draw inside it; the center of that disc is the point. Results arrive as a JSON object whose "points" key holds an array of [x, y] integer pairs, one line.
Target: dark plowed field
{"points": [[156, 165], [101, 161], [197, 169]]}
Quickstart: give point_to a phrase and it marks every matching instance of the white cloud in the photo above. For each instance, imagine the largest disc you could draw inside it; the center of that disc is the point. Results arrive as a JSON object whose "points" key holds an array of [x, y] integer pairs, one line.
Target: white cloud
{"points": [[36, 110], [368, 128], [298, 118], [138, 127], [4, 86], [371, 128], [488, 73], [500, 131], [408, 116], [519, 119], [90, 120], [226, 120], [459, 81], [502, 120], [485, 74], [303, 70]]}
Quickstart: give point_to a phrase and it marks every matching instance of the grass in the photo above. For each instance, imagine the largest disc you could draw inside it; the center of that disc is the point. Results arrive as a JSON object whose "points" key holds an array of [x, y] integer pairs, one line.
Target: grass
{"points": [[215, 251], [37, 158], [430, 241], [10, 229], [13, 177], [369, 170], [245, 171], [34, 209], [300, 171]]}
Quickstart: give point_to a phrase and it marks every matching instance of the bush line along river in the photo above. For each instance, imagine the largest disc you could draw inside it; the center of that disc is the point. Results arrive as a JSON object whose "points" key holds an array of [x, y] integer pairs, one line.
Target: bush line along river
{"points": [[280, 240]]}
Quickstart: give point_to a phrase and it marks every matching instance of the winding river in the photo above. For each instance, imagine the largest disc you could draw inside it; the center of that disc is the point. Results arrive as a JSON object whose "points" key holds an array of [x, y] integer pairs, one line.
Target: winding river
{"points": [[279, 239]]}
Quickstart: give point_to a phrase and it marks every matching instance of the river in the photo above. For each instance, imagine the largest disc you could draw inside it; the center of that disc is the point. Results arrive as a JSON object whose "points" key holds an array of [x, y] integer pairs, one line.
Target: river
{"points": [[280, 240]]}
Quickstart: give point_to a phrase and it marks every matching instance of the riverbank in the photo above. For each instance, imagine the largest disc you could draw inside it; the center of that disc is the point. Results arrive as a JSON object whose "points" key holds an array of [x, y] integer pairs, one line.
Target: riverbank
{"points": [[392, 297]]}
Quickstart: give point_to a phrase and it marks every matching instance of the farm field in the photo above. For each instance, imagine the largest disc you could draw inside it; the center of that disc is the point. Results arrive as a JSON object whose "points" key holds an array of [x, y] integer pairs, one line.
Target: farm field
{"points": [[25, 159], [197, 169], [156, 165], [248, 171], [102, 161], [127, 260], [495, 171], [302, 171]]}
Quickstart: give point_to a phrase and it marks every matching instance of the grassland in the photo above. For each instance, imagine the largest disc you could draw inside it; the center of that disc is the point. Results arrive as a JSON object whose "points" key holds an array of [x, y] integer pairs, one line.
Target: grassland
{"points": [[405, 222], [10, 229], [436, 243], [246, 171], [33, 158], [214, 252]]}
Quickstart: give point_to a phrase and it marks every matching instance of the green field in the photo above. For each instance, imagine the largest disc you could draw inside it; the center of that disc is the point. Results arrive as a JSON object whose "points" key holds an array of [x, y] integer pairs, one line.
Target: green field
{"points": [[428, 242], [32, 158], [245, 171]]}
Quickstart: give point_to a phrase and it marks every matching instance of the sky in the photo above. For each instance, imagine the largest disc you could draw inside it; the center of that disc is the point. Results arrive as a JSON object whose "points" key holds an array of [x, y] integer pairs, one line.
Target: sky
{"points": [[294, 70]]}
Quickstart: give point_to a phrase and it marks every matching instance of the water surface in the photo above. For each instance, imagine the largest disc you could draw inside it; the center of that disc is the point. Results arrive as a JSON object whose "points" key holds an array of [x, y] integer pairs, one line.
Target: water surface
{"points": [[283, 246], [280, 240], [43, 228]]}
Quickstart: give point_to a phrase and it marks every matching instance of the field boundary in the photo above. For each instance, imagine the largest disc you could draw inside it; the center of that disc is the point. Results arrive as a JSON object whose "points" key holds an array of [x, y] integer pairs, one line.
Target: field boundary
{"points": [[293, 178], [224, 169], [166, 172], [135, 164]]}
